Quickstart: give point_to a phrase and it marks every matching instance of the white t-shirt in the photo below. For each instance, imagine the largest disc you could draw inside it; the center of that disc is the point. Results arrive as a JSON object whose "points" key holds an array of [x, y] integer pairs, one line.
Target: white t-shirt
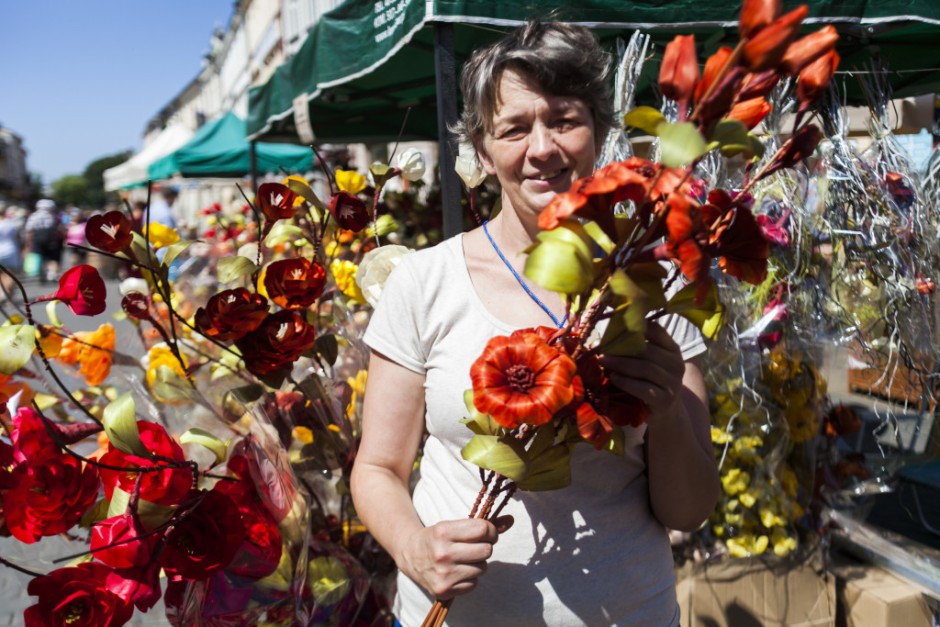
{"points": [[589, 554]]}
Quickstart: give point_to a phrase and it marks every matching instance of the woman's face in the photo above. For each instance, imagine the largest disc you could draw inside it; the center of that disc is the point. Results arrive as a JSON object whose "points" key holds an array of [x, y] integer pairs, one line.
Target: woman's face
{"points": [[539, 144]]}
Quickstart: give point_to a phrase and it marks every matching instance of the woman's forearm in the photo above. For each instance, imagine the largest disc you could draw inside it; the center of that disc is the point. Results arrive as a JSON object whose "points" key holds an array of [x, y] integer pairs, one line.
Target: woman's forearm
{"points": [[384, 506]]}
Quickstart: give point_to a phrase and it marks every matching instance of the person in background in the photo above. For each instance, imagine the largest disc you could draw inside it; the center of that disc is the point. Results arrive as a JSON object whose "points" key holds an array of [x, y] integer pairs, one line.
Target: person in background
{"points": [[161, 208], [44, 237], [11, 253], [75, 236]]}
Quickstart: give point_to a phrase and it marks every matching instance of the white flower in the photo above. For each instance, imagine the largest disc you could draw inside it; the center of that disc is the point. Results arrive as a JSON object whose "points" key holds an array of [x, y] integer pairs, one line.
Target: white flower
{"points": [[468, 166], [134, 285], [411, 164], [375, 267]]}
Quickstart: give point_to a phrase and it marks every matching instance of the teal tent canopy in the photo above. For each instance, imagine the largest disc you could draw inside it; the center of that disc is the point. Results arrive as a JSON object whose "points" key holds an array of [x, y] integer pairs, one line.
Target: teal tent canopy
{"points": [[368, 61], [220, 149]]}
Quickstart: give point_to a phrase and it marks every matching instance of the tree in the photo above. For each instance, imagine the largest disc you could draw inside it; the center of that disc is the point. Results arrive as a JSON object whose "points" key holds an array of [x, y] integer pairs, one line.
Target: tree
{"points": [[94, 174], [71, 189]]}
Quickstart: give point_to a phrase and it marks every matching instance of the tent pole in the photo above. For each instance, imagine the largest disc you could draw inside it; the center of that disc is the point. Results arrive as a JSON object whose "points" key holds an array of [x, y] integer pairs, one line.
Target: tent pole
{"points": [[253, 164], [445, 77]]}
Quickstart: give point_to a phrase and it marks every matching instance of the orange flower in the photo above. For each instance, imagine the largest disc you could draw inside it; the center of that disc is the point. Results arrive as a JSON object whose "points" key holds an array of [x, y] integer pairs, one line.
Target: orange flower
{"points": [[750, 112], [294, 283], [92, 351], [679, 71], [712, 67], [807, 49], [736, 238], [520, 379], [756, 14], [814, 79], [594, 197], [766, 49]]}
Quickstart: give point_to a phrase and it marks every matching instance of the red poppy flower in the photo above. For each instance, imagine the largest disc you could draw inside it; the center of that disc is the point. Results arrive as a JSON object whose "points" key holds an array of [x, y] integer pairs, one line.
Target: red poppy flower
{"points": [[756, 14], [815, 78], [205, 540], [766, 48], [519, 379], [599, 406], [807, 49], [750, 112], [294, 283], [230, 314], [82, 290], [277, 343], [349, 211], [276, 201], [76, 595], [740, 245], [111, 232], [679, 72], [48, 497], [164, 487], [122, 542]]}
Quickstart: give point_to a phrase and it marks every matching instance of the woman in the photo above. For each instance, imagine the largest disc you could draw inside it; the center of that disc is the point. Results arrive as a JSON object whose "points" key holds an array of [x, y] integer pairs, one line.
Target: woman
{"points": [[595, 553]]}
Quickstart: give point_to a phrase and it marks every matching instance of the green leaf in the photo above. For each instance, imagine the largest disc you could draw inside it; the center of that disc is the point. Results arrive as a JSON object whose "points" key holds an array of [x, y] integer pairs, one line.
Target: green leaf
{"points": [[230, 269], [616, 442], [173, 251], [730, 134], [549, 471], [306, 192], [478, 422], [283, 233], [52, 314], [17, 343], [595, 232], [151, 515], [168, 385], [618, 340], [646, 119], [203, 438], [327, 348], [560, 267], [120, 424], [282, 577], [489, 452], [571, 232], [95, 513], [140, 251], [707, 316], [328, 580], [755, 146], [681, 144], [247, 393]]}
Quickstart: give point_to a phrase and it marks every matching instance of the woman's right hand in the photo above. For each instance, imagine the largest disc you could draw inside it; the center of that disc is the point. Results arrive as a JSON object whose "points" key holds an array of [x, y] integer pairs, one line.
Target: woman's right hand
{"points": [[447, 558]]}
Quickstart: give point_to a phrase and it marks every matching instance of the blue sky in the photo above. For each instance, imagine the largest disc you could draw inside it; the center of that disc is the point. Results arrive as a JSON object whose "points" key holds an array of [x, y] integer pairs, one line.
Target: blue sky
{"points": [[81, 78]]}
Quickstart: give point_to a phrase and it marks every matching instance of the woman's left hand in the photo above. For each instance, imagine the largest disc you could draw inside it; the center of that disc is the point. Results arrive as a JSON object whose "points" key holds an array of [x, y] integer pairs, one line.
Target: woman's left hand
{"points": [[655, 375]]}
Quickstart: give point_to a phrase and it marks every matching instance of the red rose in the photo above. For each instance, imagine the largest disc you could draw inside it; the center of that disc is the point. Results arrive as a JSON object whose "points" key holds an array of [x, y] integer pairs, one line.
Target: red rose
{"points": [[280, 340], [164, 487], [260, 554], [122, 542], [48, 498], [205, 540], [349, 211], [139, 585], [276, 201], [294, 283], [31, 440], [111, 232], [76, 596], [230, 314]]}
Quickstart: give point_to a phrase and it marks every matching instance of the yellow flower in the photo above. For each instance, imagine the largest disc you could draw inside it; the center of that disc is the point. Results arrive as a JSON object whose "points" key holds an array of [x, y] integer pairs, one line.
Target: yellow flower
{"points": [[747, 544], [345, 274], [49, 340], [735, 481], [783, 542], [303, 434], [160, 235], [720, 436], [749, 497], [350, 181], [769, 518], [358, 383], [161, 355], [298, 182]]}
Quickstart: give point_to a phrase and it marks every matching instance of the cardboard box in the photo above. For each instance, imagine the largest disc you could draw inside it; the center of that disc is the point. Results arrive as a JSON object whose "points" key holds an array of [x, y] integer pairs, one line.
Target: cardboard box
{"points": [[757, 593], [869, 596]]}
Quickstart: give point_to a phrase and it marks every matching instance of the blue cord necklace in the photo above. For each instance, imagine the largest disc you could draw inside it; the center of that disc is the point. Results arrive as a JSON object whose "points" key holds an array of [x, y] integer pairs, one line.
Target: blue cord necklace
{"points": [[521, 281]]}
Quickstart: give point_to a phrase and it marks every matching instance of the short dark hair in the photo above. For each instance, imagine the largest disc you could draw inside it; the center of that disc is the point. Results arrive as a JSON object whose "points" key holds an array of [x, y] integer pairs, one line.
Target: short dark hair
{"points": [[563, 59]]}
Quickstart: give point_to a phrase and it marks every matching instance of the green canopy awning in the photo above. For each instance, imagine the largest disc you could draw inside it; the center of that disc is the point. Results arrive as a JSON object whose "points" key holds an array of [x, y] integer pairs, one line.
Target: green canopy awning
{"points": [[366, 62], [221, 149]]}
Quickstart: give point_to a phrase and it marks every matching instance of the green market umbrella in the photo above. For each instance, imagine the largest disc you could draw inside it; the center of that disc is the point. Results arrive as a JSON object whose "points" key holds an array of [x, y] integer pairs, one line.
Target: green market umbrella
{"points": [[367, 62], [220, 149]]}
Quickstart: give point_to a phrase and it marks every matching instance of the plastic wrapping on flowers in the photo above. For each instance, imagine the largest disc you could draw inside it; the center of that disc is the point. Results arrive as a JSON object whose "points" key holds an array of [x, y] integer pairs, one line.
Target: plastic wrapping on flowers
{"points": [[220, 483]]}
